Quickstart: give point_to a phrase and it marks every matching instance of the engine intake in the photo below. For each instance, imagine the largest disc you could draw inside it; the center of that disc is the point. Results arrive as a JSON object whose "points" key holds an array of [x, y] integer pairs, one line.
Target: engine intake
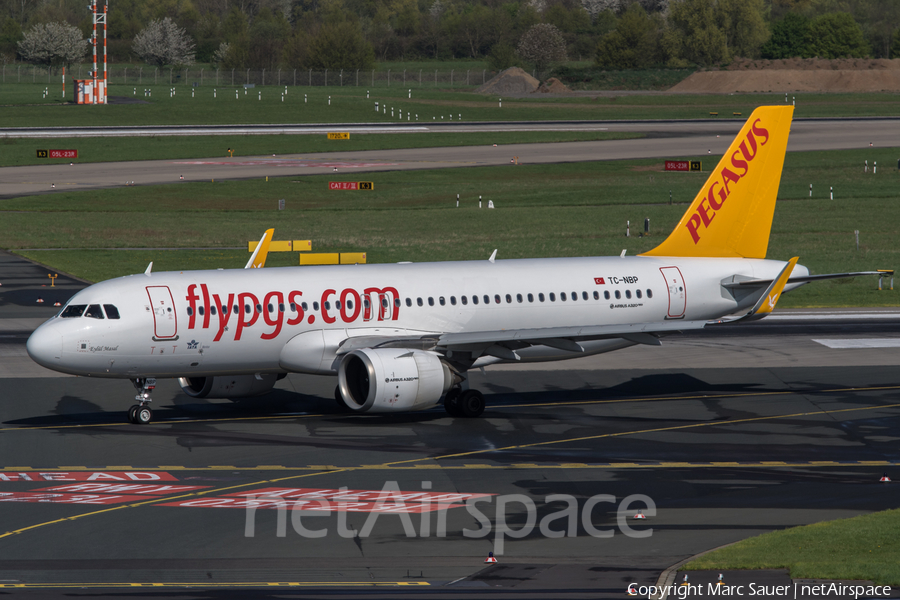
{"points": [[235, 386], [392, 379]]}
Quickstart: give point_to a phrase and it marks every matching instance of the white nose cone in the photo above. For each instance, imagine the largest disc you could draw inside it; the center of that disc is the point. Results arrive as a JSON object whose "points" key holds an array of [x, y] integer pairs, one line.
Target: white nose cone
{"points": [[45, 346]]}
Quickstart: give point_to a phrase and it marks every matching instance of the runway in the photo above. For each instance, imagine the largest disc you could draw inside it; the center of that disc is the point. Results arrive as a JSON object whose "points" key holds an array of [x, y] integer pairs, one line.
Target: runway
{"points": [[664, 139], [728, 433]]}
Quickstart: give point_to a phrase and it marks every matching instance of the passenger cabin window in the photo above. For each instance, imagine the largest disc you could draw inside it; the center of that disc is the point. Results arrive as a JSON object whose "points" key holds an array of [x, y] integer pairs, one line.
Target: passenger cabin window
{"points": [[304, 306], [562, 296], [212, 310], [453, 300], [430, 301], [419, 301], [649, 293], [596, 295], [315, 306], [541, 296], [465, 300], [442, 301], [200, 310], [638, 293], [552, 297], [618, 294], [628, 294], [519, 298], [497, 298], [508, 299], [269, 307], [397, 302], [73, 310], [474, 299], [236, 309], [93, 311], [408, 302], [606, 295], [487, 299], [112, 312], [531, 297], [584, 296]]}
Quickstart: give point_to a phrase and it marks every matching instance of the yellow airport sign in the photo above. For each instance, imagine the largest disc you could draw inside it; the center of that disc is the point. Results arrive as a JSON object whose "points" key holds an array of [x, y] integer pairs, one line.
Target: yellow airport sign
{"points": [[352, 258], [338, 135], [320, 258]]}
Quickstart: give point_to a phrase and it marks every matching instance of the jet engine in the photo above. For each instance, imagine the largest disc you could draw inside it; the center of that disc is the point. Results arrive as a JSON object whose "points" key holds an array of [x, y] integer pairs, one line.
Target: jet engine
{"points": [[392, 379], [225, 386]]}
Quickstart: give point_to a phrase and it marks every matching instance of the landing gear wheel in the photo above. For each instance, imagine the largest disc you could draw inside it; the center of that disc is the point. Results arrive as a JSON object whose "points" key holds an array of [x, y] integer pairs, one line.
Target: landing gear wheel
{"points": [[132, 414], [143, 415], [339, 398], [471, 403], [451, 403]]}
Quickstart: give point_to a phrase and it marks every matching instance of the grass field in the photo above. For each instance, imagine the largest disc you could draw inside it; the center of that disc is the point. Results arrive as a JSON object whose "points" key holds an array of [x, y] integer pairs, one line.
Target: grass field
{"points": [[861, 548], [577, 209], [23, 106], [23, 151]]}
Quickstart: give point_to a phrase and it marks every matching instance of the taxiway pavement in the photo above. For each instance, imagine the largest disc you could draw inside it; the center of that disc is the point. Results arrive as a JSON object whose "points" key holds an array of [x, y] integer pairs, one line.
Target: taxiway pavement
{"points": [[728, 432]]}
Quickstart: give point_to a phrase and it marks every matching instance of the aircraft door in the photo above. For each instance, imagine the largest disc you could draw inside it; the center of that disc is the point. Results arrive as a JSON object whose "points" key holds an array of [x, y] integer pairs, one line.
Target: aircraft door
{"points": [[677, 293], [165, 323]]}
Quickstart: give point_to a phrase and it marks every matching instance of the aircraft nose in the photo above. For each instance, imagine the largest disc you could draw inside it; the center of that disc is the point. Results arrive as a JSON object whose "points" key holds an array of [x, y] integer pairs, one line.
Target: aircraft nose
{"points": [[44, 346]]}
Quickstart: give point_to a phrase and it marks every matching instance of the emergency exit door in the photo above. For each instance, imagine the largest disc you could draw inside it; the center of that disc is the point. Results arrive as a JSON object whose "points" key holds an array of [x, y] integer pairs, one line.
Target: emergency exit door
{"points": [[677, 293], [165, 322]]}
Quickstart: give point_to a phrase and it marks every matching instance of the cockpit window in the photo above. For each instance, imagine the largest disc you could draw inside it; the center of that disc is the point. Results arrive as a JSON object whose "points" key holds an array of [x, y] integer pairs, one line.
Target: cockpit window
{"points": [[73, 310], [93, 311], [112, 312]]}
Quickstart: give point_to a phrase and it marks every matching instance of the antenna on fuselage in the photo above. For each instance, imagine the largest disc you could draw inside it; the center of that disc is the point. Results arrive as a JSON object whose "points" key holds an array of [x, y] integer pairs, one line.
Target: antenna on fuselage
{"points": [[493, 256], [149, 269]]}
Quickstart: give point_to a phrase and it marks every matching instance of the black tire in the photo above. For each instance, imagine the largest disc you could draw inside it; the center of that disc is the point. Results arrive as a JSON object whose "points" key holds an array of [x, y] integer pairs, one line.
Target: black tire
{"points": [[132, 416], [143, 415], [451, 403], [339, 398], [471, 404]]}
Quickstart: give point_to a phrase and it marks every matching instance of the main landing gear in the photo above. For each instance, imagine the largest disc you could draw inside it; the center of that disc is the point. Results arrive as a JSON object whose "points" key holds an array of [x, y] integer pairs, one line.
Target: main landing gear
{"points": [[464, 403], [140, 413]]}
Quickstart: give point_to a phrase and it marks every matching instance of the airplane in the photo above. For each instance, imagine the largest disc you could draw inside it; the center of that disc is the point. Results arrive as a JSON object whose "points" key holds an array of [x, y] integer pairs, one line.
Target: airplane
{"points": [[402, 337]]}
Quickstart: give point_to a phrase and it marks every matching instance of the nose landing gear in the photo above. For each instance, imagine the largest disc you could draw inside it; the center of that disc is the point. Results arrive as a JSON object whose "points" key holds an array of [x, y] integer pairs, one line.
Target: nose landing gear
{"points": [[140, 413]]}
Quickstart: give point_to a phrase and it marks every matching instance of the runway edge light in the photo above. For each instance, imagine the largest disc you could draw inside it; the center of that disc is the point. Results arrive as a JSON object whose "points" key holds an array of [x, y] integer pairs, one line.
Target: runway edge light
{"points": [[885, 478], [490, 558], [640, 515]]}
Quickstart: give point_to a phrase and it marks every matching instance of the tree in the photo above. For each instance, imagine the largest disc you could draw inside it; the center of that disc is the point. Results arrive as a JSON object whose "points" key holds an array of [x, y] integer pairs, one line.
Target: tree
{"points": [[53, 44], [835, 35], [744, 26], [790, 38], [696, 35], [10, 35], [162, 42], [341, 46], [633, 44], [542, 45]]}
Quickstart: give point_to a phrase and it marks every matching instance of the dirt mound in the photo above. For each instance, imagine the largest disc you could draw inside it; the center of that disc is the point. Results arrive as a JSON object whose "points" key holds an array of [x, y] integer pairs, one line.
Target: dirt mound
{"points": [[511, 81], [814, 64], [553, 86], [791, 80]]}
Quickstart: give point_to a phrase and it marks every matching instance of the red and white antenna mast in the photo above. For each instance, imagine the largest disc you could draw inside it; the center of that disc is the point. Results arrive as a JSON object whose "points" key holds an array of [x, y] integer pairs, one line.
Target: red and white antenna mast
{"points": [[99, 87]]}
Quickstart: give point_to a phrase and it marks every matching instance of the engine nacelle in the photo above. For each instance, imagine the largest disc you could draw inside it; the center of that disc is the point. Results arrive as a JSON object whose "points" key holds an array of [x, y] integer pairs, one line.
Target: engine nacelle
{"points": [[228, 386], [392, 379]]}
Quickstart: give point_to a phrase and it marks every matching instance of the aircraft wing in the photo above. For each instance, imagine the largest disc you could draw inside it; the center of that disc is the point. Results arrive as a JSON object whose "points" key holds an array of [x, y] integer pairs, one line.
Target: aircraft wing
{"points": [[808, 278], [503, 343]]}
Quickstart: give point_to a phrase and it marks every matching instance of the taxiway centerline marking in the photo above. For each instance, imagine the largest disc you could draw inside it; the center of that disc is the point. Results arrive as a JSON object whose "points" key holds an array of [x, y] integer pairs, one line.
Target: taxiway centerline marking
{"points": [[213, 584]]}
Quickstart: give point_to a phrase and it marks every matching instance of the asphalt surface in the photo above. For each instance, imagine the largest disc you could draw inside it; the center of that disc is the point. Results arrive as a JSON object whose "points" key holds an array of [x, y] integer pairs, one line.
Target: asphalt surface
{"points": [[664, 139], [728, 433]]}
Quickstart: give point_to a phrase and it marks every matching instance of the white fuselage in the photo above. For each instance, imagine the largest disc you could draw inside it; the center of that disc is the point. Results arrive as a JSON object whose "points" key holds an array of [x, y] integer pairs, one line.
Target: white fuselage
{"points": [[172, 324]]}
